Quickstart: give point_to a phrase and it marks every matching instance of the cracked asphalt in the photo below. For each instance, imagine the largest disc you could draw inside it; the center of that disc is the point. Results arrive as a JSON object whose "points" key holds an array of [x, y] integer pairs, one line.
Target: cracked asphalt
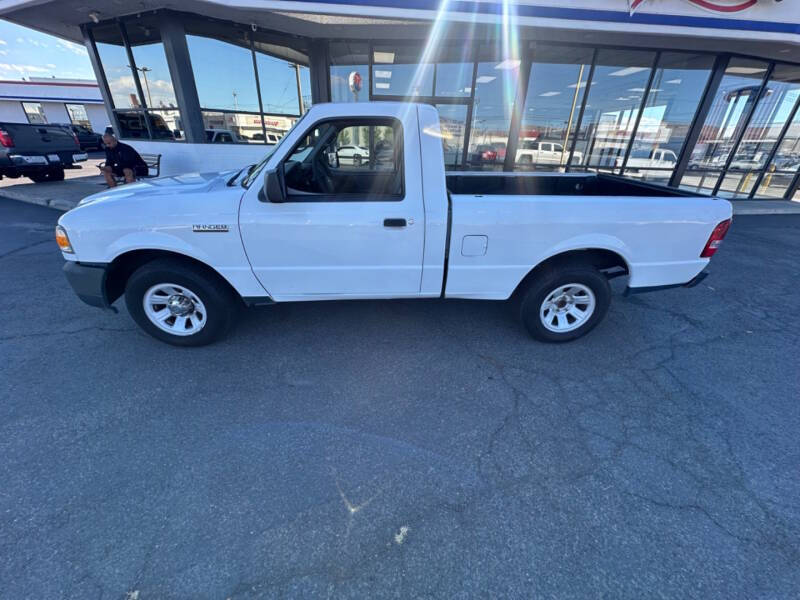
{"points": [[404, 449]]}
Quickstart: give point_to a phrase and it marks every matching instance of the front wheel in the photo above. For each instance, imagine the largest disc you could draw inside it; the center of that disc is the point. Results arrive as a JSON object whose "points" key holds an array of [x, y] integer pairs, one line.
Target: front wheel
{"points": [[565, 304], [179, 303]]}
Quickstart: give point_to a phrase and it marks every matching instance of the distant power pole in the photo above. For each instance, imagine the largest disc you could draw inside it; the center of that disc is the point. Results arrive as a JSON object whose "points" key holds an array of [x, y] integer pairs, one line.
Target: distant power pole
{"points": [[299, 89]]}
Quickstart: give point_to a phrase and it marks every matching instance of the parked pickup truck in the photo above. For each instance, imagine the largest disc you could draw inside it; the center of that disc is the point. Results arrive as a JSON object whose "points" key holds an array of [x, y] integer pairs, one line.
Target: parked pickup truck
{"points": [[39, 152], [187, 251]]}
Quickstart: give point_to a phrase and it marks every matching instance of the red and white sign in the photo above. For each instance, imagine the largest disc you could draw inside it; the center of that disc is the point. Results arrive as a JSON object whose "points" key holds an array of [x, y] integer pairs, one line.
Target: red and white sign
{"points": [[720, 6], [354, 81]]}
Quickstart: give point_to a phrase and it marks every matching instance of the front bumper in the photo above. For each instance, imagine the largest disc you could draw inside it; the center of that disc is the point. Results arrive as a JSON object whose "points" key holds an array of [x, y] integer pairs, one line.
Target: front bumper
{"points": [[88, 280], [657, 288]]}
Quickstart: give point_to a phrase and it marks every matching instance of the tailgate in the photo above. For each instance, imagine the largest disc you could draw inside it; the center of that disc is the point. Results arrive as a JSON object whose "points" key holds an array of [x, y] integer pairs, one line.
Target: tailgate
{"points": [[47, 140]]}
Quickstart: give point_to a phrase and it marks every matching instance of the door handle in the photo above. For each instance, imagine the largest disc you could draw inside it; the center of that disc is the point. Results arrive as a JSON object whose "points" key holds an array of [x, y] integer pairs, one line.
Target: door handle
{"points": [[394, 223]]}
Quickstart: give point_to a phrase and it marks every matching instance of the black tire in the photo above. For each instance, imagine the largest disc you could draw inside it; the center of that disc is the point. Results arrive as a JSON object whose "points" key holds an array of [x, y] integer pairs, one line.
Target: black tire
{"points": [[55, 174], [357, 160], [220, 302], [543, 284]]}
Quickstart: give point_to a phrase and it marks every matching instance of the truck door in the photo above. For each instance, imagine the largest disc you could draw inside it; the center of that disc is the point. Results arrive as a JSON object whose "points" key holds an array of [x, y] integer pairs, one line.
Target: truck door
{"points": [[345, 228]]}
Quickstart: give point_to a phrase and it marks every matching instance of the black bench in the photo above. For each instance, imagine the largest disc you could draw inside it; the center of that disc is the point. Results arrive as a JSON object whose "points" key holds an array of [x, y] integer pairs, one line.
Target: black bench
{"points": [[153, 162]]}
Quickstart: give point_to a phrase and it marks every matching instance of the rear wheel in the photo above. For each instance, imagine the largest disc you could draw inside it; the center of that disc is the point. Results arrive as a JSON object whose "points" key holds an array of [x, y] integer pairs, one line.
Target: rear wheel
{"points": [[180, 304], [54, 174], [565, 303]]}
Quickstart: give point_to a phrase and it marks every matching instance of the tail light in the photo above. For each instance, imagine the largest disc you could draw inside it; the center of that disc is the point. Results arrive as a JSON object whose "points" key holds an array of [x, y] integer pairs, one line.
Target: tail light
{"points": [[77, 141], [5, 139], [715, 241]]}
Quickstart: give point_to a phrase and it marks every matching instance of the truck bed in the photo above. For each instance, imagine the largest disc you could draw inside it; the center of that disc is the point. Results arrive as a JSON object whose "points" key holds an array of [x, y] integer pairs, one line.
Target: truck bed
{"points": [[555, 184]]}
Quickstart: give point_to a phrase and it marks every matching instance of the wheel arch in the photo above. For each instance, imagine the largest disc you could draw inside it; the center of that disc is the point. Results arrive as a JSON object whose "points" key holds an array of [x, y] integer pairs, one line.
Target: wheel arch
{"points": [[122, 267], [602, 259]]}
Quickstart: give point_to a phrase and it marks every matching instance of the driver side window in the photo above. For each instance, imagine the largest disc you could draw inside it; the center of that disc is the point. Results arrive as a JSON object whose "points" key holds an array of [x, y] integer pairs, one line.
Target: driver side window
{"points": [[347, 160]]}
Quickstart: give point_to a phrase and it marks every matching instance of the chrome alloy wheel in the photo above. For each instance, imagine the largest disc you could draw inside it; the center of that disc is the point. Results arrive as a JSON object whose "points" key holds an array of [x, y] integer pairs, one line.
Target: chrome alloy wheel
{"points": [[175, 309], [567, 307]]}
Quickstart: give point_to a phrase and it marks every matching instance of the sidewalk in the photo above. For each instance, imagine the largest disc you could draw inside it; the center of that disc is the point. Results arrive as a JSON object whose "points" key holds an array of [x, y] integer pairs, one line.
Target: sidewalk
{"points": [[64, 195]]}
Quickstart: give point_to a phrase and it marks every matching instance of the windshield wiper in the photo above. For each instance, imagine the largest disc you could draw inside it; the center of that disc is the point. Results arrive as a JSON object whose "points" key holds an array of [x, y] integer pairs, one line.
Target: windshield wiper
{"points": [[239, 172]]}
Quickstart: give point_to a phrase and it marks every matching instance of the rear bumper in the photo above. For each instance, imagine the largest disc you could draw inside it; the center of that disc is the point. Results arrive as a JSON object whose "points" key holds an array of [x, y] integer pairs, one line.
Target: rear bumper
{"points": [[89, 282], [657, 288]]}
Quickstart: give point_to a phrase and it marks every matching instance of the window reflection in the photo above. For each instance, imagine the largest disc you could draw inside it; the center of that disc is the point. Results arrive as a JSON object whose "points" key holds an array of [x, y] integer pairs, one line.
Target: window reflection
{"points": [[223, 73], [349, 72], [34, 112], [615, 95], [761, 135], [673, 99], [281, 85], [781, 172], [555, 93], [151, 63], [732, 103], [453, 125], [116, 66], [396, 71], [454, 79], [495, 92]]}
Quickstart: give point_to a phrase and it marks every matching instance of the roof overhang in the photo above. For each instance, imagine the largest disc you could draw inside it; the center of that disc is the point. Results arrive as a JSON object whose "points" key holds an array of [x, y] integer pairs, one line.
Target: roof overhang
{"points": [[769, 29]]}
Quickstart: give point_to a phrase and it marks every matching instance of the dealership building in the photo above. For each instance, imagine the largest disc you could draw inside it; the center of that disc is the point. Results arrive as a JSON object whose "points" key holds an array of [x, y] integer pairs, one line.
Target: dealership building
{"points": [[697, 94]]}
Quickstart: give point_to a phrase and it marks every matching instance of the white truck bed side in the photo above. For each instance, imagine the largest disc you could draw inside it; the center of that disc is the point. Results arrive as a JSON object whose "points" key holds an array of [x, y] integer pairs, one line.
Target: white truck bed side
{"points": [[660, 238]]}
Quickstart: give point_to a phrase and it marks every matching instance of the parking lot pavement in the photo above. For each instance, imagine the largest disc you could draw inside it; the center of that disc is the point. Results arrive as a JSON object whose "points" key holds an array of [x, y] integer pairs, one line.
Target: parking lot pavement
{"points": [[77, 184], [404, 449]]}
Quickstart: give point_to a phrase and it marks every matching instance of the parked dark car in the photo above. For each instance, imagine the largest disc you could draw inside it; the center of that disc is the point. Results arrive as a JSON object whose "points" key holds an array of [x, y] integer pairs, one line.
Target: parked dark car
{"points": [[88, 139], [482, 154], [39, 152]]}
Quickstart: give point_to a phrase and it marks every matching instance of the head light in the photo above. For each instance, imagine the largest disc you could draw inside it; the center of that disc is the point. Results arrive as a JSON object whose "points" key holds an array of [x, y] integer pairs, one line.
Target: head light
{"points": [[63, 240]]}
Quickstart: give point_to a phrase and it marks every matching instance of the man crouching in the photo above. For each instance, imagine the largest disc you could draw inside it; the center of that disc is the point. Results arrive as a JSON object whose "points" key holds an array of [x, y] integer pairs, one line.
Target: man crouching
{"points": [[122, 160]]}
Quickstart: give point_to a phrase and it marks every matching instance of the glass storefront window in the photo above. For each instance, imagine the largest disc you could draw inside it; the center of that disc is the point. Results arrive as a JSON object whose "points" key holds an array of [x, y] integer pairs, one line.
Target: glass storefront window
{"points": [[672, 102], [453, 125], [781, 172], [495, 92], [762, 133], [615, 95], [223, 73], [349, 72], [34, 112], [78, 115], [279, 81], [151, 62], [396, 71], [454, 79], [732, 104], [244, 128], [550, 114], [131, 124], [166, 124], [116, 66]]}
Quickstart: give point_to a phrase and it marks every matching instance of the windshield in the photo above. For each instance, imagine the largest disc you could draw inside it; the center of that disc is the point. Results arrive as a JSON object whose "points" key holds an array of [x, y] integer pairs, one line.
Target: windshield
{"points": [[254, 171]]}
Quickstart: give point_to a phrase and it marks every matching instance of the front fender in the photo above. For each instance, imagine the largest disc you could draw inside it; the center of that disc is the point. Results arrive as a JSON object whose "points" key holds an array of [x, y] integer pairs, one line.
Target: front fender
{"points": [[155, 240]]}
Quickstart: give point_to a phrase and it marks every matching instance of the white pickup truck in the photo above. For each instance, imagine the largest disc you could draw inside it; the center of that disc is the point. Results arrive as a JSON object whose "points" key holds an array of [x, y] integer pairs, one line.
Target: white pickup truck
{"points": [[188, 251]]}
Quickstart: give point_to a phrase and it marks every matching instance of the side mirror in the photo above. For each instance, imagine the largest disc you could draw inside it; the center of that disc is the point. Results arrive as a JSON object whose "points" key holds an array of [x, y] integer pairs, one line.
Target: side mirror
{"points": [[273, 186]]}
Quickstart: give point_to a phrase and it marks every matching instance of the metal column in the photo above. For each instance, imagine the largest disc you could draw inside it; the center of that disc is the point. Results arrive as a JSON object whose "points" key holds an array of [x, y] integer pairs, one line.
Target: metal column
{"points": [[105, 91], [179, 62]]}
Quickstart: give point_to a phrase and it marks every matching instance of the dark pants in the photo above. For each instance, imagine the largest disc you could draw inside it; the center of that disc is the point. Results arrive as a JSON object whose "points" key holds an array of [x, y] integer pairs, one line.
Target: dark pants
{"points": [[138, 170]]}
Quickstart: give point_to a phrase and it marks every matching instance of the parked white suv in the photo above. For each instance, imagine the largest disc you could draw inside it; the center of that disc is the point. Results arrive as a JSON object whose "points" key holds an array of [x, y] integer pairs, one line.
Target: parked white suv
{"points": [[545, 153]]}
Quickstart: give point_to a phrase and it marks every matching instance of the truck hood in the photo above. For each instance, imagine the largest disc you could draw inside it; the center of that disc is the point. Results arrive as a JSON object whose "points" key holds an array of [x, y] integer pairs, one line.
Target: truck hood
{"points": [[188, 183]]}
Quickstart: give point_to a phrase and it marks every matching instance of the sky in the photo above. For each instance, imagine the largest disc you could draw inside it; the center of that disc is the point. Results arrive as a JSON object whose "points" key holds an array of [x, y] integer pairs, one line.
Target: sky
{"points": [[28, 53]]}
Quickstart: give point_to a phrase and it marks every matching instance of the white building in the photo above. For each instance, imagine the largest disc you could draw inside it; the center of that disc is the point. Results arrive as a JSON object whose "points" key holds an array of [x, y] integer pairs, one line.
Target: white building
{"points": [[49, 100]]}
